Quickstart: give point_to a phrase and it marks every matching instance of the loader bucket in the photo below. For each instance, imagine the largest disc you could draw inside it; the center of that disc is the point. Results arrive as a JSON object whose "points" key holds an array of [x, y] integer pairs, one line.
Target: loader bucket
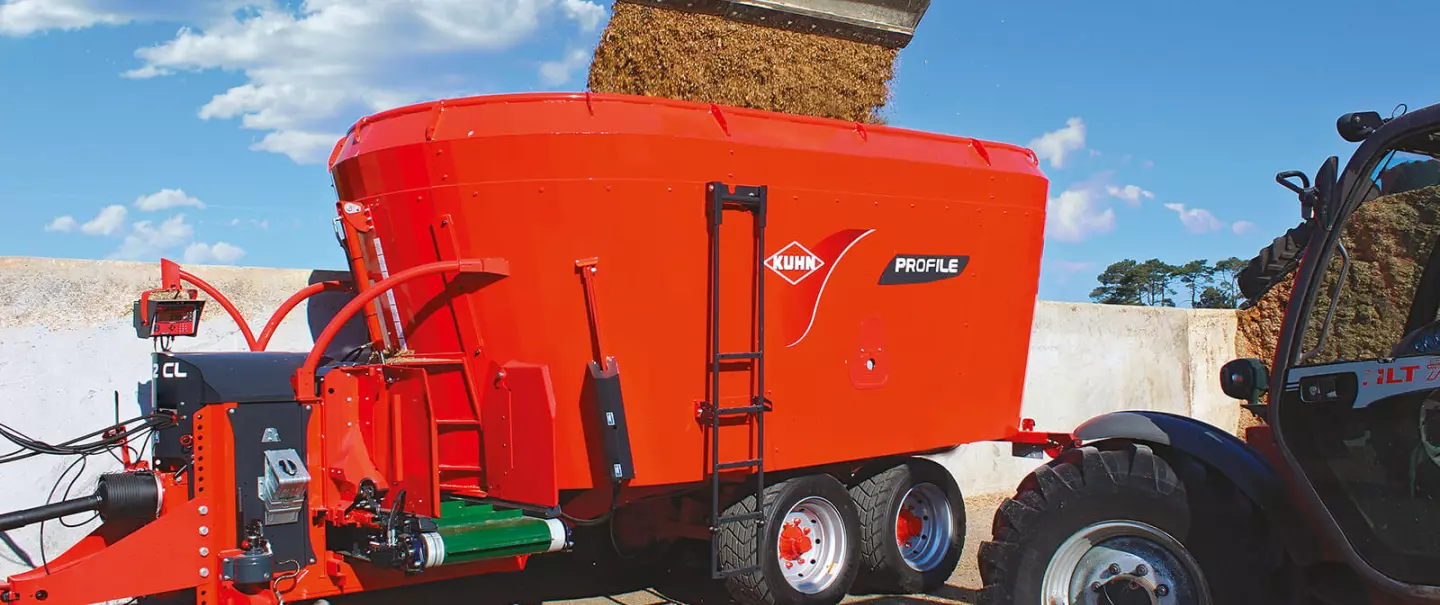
{"points": [[888, 23]]}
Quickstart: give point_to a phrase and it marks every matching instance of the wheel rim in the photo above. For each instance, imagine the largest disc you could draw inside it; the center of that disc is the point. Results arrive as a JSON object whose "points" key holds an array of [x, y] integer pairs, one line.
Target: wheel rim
{"points": [[1123, 563], [924, 526], [811, 545]]}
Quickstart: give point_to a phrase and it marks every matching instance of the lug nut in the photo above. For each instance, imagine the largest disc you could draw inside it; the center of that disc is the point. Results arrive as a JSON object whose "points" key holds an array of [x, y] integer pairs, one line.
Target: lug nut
{"points": [[1114, 569], [1141, 570], [1162, 590], [1095, 587]]}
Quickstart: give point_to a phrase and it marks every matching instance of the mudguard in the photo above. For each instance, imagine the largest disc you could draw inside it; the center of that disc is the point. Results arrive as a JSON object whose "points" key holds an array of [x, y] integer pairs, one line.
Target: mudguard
{"points": [[1242, 464]]}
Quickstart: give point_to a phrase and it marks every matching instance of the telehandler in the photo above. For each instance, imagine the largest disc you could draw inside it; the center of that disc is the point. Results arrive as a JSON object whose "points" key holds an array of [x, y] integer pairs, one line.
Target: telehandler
{"points": [[1335, 498]]}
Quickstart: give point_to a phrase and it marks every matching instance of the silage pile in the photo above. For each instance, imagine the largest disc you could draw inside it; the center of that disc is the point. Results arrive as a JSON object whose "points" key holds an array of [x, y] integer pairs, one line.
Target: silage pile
{"points": [[704, 58], [1389, 240]]}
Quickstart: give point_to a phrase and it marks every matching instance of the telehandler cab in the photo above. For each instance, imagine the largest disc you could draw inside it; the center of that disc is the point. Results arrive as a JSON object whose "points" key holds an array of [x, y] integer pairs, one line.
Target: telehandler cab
{"points": [[1335, 499]]}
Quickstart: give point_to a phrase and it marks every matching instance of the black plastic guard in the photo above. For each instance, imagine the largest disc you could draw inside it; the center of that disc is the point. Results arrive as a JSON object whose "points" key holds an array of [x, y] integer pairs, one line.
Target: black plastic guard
{"points": [[615, 432], [257, 428]]}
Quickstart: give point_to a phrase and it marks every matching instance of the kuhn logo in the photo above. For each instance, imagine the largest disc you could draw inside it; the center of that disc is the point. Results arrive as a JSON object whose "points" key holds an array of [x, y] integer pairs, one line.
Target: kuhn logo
{"points": [[794, 263]]}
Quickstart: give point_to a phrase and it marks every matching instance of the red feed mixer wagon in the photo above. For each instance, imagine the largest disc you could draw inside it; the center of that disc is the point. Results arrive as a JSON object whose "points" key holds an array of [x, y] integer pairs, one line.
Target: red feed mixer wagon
{"points": [[590, 309]]}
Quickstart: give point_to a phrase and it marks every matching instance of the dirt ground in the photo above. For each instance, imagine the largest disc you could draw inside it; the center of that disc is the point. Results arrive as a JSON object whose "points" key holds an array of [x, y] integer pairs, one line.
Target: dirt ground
{"points": [[576, 581]]}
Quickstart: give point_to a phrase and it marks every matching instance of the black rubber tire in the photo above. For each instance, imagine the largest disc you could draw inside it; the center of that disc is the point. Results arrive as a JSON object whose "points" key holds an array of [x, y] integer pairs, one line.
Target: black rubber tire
{"points": [[1274, 262], [767, 585], [1223, 530], [882, 568]]}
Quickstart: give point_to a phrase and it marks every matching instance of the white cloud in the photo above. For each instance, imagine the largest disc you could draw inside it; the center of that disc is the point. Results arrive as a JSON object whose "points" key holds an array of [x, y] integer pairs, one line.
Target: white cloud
{"points": [[261, 224], [221, 253], [108, 222], [555, 73], [1131, 194], [1066, 269], [147, 240], [1242, 227], [1196, 220], [1057, 144], [165, 199], [63, 224], [587, 14], [22, 17], [312, 70], [301, 147], [1076, 215]]}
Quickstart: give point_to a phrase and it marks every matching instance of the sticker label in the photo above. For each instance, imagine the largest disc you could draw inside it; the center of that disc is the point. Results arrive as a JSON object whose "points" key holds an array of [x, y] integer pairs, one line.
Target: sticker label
{"points": [[922, 268], [794, 263]]}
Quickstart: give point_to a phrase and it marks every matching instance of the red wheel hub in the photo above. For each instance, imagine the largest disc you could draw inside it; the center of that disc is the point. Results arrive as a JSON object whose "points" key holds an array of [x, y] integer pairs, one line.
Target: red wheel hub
{"points": [[794, 542], [907, 526]]}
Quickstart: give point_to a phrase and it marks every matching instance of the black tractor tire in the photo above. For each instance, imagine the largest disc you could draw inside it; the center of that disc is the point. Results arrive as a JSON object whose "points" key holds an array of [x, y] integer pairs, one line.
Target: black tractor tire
{"points": [[883, 568], [766, 585], [1274, 262], [1222, 530]]}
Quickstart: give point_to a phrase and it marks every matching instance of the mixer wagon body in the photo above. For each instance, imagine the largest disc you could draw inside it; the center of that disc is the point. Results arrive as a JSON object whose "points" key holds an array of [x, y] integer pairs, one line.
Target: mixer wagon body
{"points": [[668, 321], [899, 268]]}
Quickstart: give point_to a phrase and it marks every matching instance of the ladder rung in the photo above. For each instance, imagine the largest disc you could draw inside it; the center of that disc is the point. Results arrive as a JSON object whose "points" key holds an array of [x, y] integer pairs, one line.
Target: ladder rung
{"points": [[749, 409], [725, 466], [733, 356], [755, 516]]}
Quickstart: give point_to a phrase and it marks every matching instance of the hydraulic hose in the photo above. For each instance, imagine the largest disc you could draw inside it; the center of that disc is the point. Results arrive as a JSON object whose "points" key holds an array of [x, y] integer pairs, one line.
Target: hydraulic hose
{"points": [[119, 495], [31, 516]]}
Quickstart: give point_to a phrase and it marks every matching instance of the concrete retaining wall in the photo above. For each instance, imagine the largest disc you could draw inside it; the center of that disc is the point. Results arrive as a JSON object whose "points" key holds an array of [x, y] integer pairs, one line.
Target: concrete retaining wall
{"points": [[67, 349]]}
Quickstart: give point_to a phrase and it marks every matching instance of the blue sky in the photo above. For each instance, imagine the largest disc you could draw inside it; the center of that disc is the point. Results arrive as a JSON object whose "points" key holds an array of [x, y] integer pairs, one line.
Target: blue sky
{"points": [[197, 129]]}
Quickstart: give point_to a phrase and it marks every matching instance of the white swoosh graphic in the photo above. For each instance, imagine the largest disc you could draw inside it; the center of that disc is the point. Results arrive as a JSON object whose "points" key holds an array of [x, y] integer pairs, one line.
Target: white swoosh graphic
{"points": [[816, 310]]}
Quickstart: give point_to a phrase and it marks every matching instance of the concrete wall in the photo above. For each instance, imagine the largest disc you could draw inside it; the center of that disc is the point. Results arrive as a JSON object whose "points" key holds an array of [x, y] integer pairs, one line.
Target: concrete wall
{"points": [[67, 349], [1088, 359]]}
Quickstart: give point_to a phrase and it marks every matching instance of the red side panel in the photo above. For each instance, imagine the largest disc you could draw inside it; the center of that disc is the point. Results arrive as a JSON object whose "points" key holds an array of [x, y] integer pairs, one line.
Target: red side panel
{"points": [[900, 272], [519, 417]]}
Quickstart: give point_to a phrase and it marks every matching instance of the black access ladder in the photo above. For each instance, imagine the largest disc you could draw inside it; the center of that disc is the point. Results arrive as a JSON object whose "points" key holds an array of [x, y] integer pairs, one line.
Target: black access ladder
{"points": [[722, 198]]}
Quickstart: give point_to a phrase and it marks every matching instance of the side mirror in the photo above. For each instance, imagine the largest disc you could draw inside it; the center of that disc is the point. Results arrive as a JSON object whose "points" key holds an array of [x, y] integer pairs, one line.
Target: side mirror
{"points": [[1244, 379], [1357, 126]]}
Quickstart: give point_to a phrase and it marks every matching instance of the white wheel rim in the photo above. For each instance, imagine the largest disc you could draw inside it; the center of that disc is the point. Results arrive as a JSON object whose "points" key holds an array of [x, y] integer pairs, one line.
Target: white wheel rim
{"points": [[810, 545], [1122, 563], [924, 527]]}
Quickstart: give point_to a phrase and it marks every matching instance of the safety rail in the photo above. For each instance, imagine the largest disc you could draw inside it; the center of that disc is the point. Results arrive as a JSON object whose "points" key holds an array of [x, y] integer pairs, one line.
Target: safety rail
{"points": [[305, 376], [172, 275]]}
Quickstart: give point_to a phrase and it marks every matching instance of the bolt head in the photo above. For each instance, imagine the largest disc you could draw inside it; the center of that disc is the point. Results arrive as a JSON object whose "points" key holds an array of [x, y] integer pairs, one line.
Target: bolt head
{"points": [[204, 510], [204, 531], [204, 572], [204, 552]]}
